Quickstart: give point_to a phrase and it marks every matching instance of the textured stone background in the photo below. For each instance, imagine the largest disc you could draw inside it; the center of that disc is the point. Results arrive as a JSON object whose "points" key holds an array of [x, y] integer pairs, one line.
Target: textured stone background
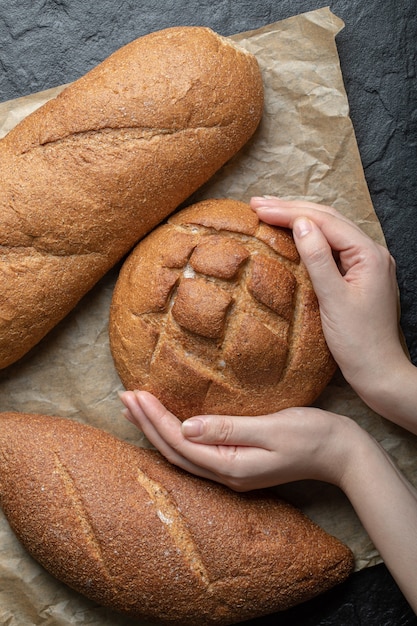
{"points": [[45, 43]]}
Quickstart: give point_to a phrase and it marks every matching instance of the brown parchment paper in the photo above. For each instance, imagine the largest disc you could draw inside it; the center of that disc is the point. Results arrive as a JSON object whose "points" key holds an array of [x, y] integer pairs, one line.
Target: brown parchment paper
{"points": [[305, 147]]}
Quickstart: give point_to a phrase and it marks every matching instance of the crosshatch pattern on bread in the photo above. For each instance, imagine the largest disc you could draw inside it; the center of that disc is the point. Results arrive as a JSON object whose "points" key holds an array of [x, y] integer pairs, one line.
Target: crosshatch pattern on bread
{"points": [[214, 312]]}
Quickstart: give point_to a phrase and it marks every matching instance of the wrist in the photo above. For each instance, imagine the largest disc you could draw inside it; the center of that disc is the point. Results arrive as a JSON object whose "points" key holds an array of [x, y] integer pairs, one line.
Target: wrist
{"points": [[391, 391], [359, 446], [338, 452]]}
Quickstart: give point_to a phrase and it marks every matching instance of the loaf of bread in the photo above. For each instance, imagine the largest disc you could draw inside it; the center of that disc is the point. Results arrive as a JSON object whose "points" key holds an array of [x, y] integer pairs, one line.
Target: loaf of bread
{"points": [[84, 177], [125, 528], [213, 312]]}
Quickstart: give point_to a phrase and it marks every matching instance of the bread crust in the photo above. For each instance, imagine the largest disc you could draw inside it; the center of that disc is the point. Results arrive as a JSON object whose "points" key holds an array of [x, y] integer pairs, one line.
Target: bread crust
{"points": [[84, 177], [214, 312], [130, 531]]}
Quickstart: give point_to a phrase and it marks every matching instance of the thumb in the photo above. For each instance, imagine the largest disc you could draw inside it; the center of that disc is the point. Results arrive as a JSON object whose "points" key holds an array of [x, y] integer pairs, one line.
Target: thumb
{"points": [[209, 429], [228, 430], [316, 254]]}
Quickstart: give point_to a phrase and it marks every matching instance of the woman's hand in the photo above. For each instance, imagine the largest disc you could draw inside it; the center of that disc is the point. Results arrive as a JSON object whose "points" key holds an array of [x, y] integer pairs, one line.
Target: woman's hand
{"points": [[247, 453], [355, 282], [354, 279]]}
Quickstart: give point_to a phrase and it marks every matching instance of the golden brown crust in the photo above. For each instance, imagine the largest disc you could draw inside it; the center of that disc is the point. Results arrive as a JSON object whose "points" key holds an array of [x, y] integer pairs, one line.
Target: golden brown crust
{"points": [[214, 312], [128, 530], [87, 175]]}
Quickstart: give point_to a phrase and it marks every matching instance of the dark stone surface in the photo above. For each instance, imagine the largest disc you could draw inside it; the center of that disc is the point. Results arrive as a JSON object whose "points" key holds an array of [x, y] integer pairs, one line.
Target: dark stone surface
{"points": [[369, 598], [45, 43]]}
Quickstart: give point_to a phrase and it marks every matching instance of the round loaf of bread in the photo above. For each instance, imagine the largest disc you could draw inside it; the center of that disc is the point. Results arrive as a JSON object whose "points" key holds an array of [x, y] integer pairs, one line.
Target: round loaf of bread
{"points": [[214, 312]]}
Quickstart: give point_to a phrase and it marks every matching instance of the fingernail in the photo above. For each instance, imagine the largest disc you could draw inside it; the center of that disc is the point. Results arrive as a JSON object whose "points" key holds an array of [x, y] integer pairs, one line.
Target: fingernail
{"points": [[302, 227], [192, 428], [127, 414], [266, 209]]}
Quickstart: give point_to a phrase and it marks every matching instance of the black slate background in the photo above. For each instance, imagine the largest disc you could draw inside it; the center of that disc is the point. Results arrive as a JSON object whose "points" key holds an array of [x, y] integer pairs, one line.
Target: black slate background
{"points": [[45, 43]]}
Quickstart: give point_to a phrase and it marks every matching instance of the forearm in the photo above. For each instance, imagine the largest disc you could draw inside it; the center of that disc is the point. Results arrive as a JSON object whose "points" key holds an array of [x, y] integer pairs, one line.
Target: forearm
{"points": [[386, 504]]}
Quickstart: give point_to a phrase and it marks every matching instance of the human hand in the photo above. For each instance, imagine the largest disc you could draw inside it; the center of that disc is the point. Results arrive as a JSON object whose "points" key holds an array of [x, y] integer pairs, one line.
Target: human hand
{"points": [[247, 453], [355, 282]]}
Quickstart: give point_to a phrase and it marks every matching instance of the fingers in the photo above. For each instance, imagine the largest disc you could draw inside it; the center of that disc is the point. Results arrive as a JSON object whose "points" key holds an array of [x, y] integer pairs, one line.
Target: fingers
{"points": [[224, 430], [163, 430], [317, 255], [274, 202], [337, 228], [272, 208], [210, 454], [318, 232]]}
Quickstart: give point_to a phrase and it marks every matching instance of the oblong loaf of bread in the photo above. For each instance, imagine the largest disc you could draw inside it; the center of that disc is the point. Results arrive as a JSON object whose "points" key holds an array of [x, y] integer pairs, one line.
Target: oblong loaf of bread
{"points": [[130, 531], [84, 177], [214, 312]]}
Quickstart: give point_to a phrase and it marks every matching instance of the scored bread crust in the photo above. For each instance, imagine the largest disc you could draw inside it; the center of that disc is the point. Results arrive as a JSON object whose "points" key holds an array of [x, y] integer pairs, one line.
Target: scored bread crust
{"points": [[131, 532], [214, 312], [88, 174]]}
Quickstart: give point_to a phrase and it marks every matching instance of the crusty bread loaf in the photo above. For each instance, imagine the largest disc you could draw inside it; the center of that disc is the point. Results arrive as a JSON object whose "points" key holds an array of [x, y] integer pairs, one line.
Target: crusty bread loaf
{"points": [[130, 531], [84, 177], [214, 312]]}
